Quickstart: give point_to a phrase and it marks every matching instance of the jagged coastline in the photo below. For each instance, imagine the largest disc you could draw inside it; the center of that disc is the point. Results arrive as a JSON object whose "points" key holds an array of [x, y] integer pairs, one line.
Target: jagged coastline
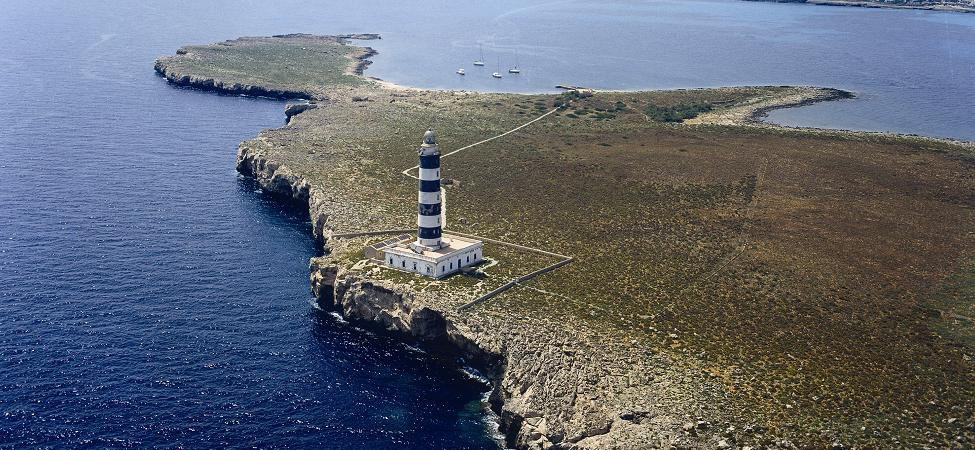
{"points": [[164, 68], [514, 363], [397, 309], [557, 381], [222, 87], [368, 301]]}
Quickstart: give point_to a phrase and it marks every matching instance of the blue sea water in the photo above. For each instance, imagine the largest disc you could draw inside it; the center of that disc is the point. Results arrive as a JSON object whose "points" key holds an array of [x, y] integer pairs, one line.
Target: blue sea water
{"points": [[151, 296], [913, 71]]}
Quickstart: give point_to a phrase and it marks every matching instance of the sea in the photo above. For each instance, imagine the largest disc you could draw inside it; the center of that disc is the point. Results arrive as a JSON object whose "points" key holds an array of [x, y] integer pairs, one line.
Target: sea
{"points": [[152, 297]]}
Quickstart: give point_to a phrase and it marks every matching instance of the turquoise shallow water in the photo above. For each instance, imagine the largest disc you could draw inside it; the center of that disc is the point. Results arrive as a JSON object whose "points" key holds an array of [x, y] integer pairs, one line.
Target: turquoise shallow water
{"points": [[149, 295]]}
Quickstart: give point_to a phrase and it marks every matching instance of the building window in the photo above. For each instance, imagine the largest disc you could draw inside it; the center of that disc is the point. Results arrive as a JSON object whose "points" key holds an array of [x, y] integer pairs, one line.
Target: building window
{"points": [[390, 261], [467, 258], [428, 269], [451, 266], [414, 266], [404, 264]]}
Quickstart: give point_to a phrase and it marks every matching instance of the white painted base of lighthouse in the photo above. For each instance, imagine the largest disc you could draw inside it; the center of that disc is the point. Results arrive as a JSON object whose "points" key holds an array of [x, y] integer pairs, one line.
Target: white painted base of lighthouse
{"points": [[456, 253]]}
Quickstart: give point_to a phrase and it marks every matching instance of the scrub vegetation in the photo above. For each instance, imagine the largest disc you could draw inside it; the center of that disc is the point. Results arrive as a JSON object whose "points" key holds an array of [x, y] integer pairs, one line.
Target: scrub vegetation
{"points": [[676, 113], [294, 62], [822, 278]]}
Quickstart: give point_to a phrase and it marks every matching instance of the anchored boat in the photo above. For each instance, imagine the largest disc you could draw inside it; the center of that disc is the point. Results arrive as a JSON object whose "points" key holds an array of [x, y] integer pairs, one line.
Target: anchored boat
{"points": [[480, 61]]}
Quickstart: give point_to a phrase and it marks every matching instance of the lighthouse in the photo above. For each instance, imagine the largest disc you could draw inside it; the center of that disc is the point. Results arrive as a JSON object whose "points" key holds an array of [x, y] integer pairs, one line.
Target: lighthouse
{"points": [[429, 217], [432, 253]]}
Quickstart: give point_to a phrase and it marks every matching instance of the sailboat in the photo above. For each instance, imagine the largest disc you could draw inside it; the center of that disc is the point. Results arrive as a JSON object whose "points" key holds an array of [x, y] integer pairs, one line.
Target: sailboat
{"points": [[460, 71], [515, 69], [498, 73], [480, 61]]}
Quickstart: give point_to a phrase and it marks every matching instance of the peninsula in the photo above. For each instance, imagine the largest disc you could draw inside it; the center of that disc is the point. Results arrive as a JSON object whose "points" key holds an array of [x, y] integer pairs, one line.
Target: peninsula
{"points": [[967, 6], [733, 283]]}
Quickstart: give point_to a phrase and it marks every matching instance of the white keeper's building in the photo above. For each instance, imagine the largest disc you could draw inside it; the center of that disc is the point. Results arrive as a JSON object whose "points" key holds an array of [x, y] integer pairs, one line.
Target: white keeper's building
{"points": [[432, 253]]}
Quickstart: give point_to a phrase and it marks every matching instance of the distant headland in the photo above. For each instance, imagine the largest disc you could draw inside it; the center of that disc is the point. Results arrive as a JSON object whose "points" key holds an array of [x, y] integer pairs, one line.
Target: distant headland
{"points": [[733, 283], [966, 6]]}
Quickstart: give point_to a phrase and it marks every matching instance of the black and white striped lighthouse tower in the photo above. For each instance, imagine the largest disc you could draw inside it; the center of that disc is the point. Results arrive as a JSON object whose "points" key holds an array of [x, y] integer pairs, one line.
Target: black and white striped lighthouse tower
{"points": [[429, 218], [433, 253]]}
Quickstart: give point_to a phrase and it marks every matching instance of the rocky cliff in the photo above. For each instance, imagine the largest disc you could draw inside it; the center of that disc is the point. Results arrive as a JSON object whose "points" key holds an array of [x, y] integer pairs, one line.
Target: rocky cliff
{"points": [[178, 78], [703, 319], [551, 386]]}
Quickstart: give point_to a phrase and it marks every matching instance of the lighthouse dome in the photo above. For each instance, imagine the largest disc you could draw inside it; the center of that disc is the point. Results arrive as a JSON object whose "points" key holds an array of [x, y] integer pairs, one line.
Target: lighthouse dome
{"points": [[429, 137]]}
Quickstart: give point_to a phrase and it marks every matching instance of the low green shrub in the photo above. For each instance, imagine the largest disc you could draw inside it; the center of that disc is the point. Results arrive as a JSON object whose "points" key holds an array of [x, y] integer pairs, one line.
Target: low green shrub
{"points": [[676, 113]]}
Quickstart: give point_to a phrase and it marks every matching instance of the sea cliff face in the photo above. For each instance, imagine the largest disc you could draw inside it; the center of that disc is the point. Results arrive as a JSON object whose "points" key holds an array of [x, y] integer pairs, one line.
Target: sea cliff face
{"points": [[558, 381], [232, 88], [548, 387], [343, 65]]}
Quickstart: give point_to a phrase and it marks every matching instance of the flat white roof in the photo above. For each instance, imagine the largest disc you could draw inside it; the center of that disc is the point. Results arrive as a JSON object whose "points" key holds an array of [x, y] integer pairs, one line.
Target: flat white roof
{"points": [[456, 244]]}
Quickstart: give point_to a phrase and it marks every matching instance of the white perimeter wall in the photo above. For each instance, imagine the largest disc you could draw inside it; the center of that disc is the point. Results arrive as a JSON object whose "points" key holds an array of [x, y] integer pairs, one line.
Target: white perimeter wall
{"points": [[471, 255]]}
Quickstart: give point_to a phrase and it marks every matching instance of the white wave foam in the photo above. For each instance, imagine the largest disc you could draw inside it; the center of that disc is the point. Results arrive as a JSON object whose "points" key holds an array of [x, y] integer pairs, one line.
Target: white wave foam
{"points": [[474, 374]]}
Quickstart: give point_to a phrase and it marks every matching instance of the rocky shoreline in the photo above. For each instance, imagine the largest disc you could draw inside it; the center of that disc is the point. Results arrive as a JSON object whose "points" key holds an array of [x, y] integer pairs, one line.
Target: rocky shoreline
{"points": [[221, 87], [559, 379], [369, 302], [165, 69], [753, 112], [397, 310], [818, 96], [514, 362], [927, 6]]}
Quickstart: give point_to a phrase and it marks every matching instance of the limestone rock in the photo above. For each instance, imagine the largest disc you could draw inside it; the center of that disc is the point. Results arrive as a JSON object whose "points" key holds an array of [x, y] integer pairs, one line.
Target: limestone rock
{"points": [[297, 108]]}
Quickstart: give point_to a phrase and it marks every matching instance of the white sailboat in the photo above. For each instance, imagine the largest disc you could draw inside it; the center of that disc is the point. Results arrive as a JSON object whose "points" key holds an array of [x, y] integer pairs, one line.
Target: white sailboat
{"points": [[460, 71], [480, 61], [515, 69], [498, 73]]}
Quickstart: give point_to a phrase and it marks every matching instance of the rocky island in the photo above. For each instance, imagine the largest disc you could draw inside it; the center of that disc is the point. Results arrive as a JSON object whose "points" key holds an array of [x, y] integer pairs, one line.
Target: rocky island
{"points": [[734, 283]]}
